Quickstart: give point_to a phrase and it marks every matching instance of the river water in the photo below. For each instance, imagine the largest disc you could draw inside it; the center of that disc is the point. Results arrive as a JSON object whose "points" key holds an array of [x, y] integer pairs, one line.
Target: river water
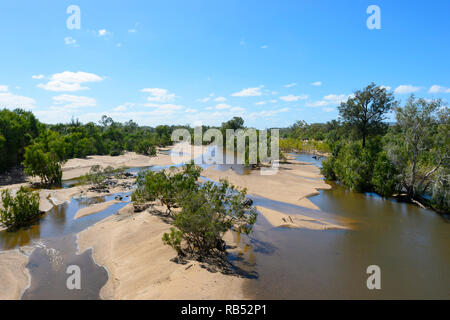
{"points": [[409, 244]]}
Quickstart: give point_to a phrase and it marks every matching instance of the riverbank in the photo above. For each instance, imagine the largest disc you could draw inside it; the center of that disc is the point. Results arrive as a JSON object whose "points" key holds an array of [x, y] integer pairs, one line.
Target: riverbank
{"points": [[129, 245], [293, 183], [14, 277]]}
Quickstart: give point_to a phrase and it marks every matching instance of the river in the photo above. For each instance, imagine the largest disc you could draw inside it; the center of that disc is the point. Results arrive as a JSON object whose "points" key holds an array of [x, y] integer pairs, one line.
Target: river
{"points": [[410, 245]]}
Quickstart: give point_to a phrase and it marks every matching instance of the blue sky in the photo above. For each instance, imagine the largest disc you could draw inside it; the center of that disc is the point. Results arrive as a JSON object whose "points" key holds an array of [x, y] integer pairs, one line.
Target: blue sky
{"points": [[190, 62]]}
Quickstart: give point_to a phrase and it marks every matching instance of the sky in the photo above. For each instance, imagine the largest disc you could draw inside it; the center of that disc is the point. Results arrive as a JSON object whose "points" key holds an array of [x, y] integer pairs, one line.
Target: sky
{"points": [[204, 62]]}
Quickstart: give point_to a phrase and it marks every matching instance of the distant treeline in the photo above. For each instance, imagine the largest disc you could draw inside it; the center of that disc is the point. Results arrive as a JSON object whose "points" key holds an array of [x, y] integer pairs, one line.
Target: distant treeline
{"points": [[43, 148]]}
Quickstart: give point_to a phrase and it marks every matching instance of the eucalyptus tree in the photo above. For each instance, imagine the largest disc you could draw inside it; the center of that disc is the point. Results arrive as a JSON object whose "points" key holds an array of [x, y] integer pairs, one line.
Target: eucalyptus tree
{"points": [[366, 110]]}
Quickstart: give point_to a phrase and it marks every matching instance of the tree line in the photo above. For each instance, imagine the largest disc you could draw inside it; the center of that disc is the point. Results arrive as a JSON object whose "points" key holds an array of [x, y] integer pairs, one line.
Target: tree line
{"points": [[42, 149], [409, 158]]}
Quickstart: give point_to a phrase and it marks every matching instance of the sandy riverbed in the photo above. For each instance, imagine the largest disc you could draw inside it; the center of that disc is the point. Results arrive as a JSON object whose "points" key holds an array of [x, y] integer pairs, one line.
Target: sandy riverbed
{"points": [[293, 183], [13, 275], [129, 246]]}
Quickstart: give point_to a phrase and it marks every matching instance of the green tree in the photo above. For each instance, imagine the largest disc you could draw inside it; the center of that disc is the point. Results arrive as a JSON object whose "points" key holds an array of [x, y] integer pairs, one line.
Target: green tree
{"points": [[366, 111], [44, 158], [420, 147], [206, 214], [19, 210]]}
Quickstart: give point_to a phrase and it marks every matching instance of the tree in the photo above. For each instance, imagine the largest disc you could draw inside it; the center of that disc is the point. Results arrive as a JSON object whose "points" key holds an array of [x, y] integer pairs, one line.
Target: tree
{"points": [[44, 158], [19, 210], [366, 111], [422, 145], [206, 214]]}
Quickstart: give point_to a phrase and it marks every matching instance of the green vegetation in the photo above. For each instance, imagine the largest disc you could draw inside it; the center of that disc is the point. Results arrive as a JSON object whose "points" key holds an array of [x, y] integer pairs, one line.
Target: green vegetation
{"points": [[19, 210], [17, 129], [206, 211], [167, 187], [98, 176], [42, 149], [206, 214], [410, 158]]}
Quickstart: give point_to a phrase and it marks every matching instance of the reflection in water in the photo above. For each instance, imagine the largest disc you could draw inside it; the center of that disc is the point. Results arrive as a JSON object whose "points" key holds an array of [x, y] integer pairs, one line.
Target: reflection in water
{"points": [[411, 245], [48, 264], [59, 221]]}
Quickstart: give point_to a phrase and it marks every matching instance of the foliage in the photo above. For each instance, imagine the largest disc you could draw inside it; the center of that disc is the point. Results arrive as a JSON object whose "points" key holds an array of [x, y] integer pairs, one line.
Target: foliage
{"points": [[17, 129], [366, 110], [19, 210], [419, 147], [98, 176], [45, 157], [166, 186], [206, 214]]}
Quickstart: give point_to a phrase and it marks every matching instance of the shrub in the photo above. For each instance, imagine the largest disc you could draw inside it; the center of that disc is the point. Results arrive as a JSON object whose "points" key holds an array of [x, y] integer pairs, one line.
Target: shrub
{"points": [[19, 210], [206, 214], [45, 165], [98, 176], [166, 187], [384, 179], [146, 147]]}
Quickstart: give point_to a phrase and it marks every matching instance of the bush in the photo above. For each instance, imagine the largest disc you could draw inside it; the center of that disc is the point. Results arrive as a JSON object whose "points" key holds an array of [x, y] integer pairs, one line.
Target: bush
{"points": [[167, 187], [384, 179], [19, 210], [146, 147], [98, 176], [45, 165], [206, 214]]}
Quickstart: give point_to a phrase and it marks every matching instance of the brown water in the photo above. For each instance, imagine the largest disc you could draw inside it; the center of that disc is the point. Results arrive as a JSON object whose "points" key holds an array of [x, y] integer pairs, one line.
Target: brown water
{"points": [[55, 248], [411, 246]]}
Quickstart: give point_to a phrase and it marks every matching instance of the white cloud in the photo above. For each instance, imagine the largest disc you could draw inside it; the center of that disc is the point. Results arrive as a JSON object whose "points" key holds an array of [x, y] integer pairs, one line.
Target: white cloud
{"points": [[189, 110], [264, 46], [386, 87], [316, 103], [328, 109], [249, 92], [74, 102], [317, 83], [69, 81], [336, 99], [3, 88], [290, 85], [438, 89], [204, 100], [70, 41], [260, 103], [124, 107], [406, 88], [223, 106], [38, 77], [292, 98], [159, 95], [331, 99], [12, 101], [102, 32], [220, 99], [132, 30], [267, 113]]}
